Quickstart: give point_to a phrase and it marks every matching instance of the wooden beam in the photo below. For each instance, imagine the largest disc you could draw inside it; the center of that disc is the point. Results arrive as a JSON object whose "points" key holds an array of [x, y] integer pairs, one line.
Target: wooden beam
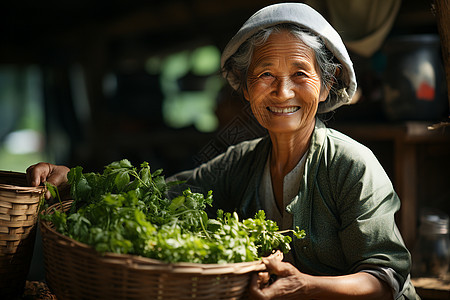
{"points": [[441, 9]]}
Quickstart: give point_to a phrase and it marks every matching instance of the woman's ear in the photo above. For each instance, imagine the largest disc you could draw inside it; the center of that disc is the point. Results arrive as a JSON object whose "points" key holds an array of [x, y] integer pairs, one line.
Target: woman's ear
{"points": [[325, 91], [245, 93]]}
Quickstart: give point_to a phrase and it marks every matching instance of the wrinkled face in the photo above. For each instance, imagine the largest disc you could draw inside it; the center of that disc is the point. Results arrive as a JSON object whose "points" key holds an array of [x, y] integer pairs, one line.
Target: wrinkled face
{"points": [[283, 84]]}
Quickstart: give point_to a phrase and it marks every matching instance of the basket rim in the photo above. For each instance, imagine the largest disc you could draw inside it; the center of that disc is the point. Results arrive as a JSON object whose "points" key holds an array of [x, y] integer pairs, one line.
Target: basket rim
{"points": [[19, 188], [22, 189], [15, 173], [144, 263]]}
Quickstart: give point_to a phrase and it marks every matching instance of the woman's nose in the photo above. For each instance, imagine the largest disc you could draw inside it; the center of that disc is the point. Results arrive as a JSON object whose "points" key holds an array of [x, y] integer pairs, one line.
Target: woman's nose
{"points": [[284, 89]]}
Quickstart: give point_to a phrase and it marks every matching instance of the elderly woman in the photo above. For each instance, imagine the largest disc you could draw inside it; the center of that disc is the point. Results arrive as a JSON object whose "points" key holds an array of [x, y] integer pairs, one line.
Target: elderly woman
{"points": [[290, 64]]}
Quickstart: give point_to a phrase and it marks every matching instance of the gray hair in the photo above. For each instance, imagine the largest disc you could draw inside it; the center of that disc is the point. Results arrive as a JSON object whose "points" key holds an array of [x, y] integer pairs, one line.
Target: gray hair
{"points": [[237, 65]]}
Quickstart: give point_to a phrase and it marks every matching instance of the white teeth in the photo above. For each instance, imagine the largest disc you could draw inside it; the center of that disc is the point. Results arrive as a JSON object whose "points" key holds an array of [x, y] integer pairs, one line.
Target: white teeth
{"points": [[284, 110]]}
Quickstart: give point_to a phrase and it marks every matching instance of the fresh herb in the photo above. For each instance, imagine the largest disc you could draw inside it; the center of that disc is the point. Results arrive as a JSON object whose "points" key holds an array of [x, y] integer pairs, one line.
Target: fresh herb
{"points": [[126, 210]]}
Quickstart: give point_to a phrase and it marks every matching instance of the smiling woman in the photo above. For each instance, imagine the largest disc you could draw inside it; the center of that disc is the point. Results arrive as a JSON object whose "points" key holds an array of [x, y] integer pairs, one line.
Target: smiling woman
{"points": [[291, 65]]}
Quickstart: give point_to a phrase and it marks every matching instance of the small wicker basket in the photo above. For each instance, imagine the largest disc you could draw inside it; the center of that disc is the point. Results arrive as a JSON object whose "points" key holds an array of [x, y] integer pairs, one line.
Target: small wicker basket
{"points": [[75, 270], [18, 217]]}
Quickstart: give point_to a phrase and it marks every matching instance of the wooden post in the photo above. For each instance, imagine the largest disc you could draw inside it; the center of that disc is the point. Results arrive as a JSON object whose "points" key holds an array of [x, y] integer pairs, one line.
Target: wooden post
{"points": [[441, 9], [405, 182]]}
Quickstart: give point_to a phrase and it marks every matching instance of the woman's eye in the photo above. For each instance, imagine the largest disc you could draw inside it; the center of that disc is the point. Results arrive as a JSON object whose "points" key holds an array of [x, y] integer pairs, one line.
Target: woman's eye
{"points": [[265, 74], [300, 73]]}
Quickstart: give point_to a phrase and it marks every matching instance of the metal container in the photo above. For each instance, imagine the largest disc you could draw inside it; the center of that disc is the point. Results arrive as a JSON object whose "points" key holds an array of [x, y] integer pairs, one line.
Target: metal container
{"points": [[431, 254]]}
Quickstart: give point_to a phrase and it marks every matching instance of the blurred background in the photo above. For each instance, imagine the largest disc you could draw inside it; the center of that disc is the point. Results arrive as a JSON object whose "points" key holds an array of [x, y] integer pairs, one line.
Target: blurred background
{"points": [[90, 82]]}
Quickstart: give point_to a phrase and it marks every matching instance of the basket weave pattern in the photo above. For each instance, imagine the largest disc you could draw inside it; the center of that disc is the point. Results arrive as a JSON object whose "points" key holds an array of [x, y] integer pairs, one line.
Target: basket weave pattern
{"points": [[18, 217], [76, 271]]}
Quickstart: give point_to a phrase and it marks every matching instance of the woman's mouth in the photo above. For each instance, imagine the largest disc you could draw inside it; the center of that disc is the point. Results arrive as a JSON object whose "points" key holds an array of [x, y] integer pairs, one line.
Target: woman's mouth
{"points": [[283, 110]]}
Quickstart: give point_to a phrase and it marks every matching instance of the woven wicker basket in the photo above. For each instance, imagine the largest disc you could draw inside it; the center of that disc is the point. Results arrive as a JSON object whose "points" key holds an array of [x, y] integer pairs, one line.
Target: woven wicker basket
{"points": [[18, 217], [76, 271]]}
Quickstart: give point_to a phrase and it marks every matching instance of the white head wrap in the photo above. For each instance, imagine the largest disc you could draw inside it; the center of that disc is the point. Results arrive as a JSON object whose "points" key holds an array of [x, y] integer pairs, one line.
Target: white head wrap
{"points": [[305, 17]]}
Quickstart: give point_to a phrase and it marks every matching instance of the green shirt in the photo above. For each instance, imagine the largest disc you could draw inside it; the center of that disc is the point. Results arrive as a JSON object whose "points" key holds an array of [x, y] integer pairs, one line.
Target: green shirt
{"points": [[346, 203]]}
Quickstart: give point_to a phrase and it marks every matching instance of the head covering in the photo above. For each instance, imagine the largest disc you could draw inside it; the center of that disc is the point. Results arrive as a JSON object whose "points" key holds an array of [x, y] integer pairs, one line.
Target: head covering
{"points": [[305, 17]]}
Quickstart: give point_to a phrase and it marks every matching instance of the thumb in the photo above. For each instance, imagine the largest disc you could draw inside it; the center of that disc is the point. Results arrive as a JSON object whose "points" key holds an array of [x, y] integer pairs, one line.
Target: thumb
{"points": [[276, 266]]}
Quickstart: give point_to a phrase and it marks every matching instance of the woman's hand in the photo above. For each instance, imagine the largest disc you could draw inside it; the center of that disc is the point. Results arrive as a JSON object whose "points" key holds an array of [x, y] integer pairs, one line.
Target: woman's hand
{"points": [[288, 284], [42, 172]]}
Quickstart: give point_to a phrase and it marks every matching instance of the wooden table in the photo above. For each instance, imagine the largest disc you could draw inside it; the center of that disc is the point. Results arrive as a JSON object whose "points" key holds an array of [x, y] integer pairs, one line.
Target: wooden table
{"points": [[432, 288]]}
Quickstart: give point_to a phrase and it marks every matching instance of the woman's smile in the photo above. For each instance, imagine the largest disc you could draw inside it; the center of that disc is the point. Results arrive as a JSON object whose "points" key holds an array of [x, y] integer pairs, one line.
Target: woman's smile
{"points": [[277, 110]]}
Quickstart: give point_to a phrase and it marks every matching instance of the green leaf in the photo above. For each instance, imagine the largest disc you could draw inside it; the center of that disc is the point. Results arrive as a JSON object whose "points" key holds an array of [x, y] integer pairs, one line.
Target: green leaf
{"points": [[157, 172], [145, 176], [300, 234], [213, 225], [125, 163], [121, 181], [114, 165], [176, 203], [52, 189], [82, 188]]}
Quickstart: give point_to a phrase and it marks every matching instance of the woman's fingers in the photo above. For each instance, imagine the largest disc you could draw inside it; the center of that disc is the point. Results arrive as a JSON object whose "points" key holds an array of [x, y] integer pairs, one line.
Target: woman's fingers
{"points": [[58, 175], [257, 285], [263, 278], [287, 279], [276, 266], [277, 256], [42, 172], [260, 284], [38, 173]]}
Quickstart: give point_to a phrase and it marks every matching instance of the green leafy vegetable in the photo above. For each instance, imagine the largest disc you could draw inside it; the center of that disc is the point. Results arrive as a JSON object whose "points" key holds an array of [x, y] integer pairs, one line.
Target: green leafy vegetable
{"points": [[126, 210]]}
